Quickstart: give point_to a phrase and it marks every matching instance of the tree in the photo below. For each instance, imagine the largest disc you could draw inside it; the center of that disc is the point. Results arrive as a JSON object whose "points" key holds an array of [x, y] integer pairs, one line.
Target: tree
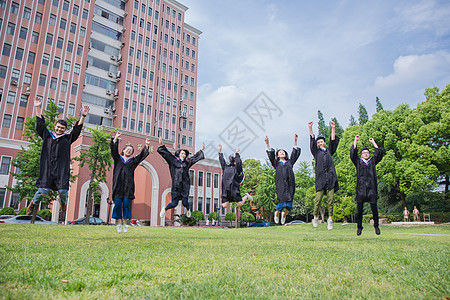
{"points": [[344, 208], [324, 130], [27, 161], [352, 121], [304, 179], [265, 195], [363, 115], [99, 161], [379, 105]]}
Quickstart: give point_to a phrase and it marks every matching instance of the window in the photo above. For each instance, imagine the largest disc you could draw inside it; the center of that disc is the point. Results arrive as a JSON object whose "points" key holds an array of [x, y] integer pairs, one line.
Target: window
{"points": [[23, 100], [14, 8], [62, 23], [53, 83], [45, 59], [200, 203], [208, 205], [216, 181], [66, 5], [208, 179], [38, 18], [130, 68], [140, 124], [52, 20], [60, 43], [11, 97], [67, 66], [133, 105], [132, 124], [3, 71], [74, 89], [124, 122], [73, 27], [64, 85], [56, 62], [27, 78], [2, 196], [191, 110], [34, 37], [75, 10], [55, 2], [141, 108], [85, 14], [6, 162], [77, 69], [147, 127], [61, 105], [125, 103], [6, 49], [149, 110], [6, 122], [31, 57], [49, 39], [19, 53], [42, 79], [71, 110], [200, 178], [19, 123], [10, 28], [82, 31], [80, 50], [69, 47], [27, 13]]}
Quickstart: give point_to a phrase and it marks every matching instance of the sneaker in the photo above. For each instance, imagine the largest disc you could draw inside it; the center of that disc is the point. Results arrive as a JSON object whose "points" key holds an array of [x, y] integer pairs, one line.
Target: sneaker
{"points": [[125, 228], [119, 228], [315, 222], [188, 213], [377, 230], [275, 217], [283, 218], [330, 224], [359, 231], [249, 196], [162, 214], [30, 208], [63, 206]]}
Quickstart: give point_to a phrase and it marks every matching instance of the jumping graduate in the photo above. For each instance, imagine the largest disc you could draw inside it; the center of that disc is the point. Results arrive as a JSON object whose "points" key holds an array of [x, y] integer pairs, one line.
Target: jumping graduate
{"points": [[284, 178], [123, 180], [54, 166], [179, 165], [326, 178], [232, 178], [366, 181]]}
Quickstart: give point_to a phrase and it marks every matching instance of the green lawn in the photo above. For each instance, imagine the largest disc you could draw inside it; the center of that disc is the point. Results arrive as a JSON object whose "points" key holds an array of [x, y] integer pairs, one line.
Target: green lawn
{"points": [[201, 263]]}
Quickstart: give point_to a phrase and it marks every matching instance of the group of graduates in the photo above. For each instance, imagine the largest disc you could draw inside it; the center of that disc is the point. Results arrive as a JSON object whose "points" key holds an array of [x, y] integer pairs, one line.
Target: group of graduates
{"points": [[54, 173]]}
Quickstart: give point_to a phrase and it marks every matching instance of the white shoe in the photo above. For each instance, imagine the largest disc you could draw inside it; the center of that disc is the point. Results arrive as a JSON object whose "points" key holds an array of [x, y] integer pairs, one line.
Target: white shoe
{"points": [[249, 197], [330, 224], [125, 228], [119, 228], [283, 218], [275, 217], [162, 214], [315, 222], [188, 213]]}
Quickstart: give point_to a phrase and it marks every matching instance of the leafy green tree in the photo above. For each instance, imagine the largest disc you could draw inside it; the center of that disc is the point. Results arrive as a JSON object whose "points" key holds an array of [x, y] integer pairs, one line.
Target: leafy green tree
{"points": [[344, 208], [265, 195], [252, 171], [379, 105], [99, 161], [363, 115], [27, 161], [352, 121], [324, 130], [304, 179]]}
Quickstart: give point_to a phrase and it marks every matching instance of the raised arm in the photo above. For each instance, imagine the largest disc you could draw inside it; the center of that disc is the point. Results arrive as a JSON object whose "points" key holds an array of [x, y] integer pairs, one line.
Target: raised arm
{"points": [[311, 133], [354, 151], [223, 164], [115, 146], [144, 152], [333, 130], [238, 161], [197, 156], [271, 155], [267, 142], [84, 112], [41, 128], [378, 153], [295, 154], [168, 157], [37, 106]]}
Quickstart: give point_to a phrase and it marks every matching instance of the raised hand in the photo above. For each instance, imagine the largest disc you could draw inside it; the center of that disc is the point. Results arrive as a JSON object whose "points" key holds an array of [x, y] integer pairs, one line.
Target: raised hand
{"points": [[147, 142], [267, 141], [219, 148], [333, 125], [203, 146], [37, 101], [118, 134], [160, 141], [84, 110], [310, 124], [236, 150], [356, 137]]}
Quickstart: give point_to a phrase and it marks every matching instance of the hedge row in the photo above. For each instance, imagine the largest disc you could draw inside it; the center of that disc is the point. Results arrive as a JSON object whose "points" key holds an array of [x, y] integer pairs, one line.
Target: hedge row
{"points": [[437, 217]]}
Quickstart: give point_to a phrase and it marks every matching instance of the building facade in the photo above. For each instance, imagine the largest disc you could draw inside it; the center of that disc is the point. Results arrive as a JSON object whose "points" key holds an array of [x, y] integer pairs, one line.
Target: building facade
{"points": [[134, 62]]}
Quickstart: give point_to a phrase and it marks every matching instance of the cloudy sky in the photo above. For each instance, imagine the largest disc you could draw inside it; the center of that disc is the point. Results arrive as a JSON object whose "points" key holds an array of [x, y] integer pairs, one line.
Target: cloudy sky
{"points": [[306, 56]]}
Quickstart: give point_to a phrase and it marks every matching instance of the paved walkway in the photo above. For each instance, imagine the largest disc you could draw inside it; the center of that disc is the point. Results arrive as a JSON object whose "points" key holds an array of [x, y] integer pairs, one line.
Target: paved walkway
{"points": [[430, 234]]}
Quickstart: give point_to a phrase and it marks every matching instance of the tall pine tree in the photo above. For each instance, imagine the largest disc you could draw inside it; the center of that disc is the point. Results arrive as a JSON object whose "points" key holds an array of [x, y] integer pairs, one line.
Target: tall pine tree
{"points": [[379, 105], [363, 115]]}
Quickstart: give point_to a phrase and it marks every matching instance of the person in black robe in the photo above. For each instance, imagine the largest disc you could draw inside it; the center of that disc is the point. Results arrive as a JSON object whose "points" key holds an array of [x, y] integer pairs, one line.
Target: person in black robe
{"points": [[284, 178], [232, 178], [54, 165], [326, 178], [366, 181], [179, 165], [123, 180]]}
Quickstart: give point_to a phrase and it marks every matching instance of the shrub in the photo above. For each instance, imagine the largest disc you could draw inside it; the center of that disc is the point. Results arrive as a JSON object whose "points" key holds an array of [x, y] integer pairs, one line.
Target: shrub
{"points": [[230, 216], [23, 211], [185, 220], [214, 216], [437, 217], [247, 217], [7, 211], [45, 214], [198, 215]]}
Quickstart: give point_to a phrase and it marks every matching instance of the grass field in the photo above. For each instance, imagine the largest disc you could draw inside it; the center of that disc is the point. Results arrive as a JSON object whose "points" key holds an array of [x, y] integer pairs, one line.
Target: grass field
{"points": [[281, 262]]}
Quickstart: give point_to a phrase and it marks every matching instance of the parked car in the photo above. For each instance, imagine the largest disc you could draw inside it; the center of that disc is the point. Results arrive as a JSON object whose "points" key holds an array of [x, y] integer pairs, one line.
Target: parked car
{"points": [[2, 217], [259, 223], [25, 219], [295, 222], [92, 221]]}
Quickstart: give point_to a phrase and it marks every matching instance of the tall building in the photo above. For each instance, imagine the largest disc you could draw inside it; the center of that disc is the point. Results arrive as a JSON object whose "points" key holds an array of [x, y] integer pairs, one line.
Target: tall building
{"points": [[134, 62]]}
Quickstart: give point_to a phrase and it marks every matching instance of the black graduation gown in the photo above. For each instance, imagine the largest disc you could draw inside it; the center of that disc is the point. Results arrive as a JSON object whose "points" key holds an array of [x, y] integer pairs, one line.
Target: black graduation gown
{"points": [[123, 173], [366, 175], [231, 179], [54, 166], [284, 175], [326, 177], [179, 171]]}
